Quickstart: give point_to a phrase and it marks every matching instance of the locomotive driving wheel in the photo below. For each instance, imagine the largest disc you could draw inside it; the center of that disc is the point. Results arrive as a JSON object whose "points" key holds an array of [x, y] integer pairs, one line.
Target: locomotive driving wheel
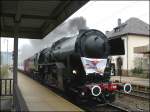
{"points": [[106, 97], [109, 97]]}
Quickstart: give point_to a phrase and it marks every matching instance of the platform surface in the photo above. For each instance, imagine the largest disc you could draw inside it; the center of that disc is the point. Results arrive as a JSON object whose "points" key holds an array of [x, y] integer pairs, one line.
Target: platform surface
{"points": [[132, 80], [40, 98]]}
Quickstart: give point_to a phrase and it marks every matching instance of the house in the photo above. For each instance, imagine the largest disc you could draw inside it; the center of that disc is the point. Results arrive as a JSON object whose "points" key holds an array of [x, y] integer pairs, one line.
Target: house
{"points": [[135, 34]]}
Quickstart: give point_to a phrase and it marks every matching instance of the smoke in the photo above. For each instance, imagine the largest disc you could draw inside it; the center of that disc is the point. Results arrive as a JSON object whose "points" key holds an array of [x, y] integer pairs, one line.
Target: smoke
{"points": [[68, 28], [24, 51], [77, 24]]}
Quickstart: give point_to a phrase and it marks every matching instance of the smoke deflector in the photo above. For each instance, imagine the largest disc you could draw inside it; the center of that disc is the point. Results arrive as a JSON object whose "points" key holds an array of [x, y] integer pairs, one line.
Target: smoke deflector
{"points": [[116, 46]]}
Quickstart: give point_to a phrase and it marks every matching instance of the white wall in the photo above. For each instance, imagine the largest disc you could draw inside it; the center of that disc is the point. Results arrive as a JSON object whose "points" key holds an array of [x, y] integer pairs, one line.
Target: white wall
{"points": [[131, 41], [135, 41]]}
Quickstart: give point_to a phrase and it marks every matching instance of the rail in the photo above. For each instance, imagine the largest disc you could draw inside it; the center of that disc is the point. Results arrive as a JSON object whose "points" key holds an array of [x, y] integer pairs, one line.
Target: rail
{"points": [[107, 107], [137, 94], [121, 109], [6, 87]]}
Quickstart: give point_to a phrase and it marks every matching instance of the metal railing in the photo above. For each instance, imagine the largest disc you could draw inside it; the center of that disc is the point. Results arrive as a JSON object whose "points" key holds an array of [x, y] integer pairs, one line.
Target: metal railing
{"points": [[6, 87]]}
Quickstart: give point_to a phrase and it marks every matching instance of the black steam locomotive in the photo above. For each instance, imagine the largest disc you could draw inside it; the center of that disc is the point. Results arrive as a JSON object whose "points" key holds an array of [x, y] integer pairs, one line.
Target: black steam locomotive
{"points": [[61, 66]]}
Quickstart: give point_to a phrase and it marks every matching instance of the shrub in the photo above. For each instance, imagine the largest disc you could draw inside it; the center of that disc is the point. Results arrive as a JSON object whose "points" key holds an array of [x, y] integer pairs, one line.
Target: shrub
{"points": [[137, 71]]}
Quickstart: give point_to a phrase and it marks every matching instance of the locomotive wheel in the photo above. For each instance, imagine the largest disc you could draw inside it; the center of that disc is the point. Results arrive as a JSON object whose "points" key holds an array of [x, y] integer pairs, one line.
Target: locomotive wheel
{"points": [[110, 97], [79, 100], [101, 99], [66, 88], [68, 92], [106, 97]]}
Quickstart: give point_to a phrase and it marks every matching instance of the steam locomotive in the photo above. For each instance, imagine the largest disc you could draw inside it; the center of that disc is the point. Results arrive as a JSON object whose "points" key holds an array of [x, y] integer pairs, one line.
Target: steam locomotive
{"points": [[61, 65]]}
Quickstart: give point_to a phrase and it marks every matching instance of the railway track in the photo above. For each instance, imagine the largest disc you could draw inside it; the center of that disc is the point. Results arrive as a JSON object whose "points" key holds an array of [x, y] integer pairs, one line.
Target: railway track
{"points": [[108, 107], [146, 94], [119, 108], [137, 94]]}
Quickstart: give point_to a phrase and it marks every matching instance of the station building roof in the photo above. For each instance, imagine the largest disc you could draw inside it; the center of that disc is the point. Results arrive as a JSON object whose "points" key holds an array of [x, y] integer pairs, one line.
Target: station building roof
{"points": [[133, 26], [36, 18]]}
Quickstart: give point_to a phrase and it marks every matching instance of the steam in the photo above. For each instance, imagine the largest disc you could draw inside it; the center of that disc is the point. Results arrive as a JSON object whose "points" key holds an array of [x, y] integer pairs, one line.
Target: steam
{"points": [[66, 29], [77, 24]]}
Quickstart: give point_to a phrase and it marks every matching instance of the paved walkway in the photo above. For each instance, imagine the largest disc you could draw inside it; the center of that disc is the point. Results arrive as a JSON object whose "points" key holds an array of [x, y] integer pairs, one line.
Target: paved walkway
{"points": [[40, 98], [132, 80], [5, 104]]}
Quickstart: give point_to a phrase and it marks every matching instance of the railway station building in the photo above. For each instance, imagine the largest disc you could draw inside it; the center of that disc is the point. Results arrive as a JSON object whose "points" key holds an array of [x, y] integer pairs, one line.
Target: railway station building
{"points": [[135, 34]]}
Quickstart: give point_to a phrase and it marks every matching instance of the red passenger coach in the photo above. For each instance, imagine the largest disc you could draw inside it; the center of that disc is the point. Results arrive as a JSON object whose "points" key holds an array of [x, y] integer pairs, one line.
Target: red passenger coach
{"points": [[27, 65]]}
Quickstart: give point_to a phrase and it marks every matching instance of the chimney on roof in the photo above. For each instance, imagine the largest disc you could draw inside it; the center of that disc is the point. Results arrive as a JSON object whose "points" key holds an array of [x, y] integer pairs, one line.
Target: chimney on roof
{"points": [[119, 22], [106, 32]]}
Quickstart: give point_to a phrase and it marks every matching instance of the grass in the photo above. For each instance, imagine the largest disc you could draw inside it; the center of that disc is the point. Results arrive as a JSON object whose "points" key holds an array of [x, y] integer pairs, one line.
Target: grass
{"points": [[139, 72], [142, 75]]}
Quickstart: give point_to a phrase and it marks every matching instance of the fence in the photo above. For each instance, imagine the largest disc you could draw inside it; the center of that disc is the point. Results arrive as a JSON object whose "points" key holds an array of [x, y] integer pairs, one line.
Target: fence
{"points": [[6, 87]]}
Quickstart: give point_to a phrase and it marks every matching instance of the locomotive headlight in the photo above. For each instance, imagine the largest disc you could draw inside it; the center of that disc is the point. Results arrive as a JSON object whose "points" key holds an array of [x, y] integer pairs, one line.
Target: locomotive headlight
{"points": [[82, 93], [96, 90], [74, 71]]}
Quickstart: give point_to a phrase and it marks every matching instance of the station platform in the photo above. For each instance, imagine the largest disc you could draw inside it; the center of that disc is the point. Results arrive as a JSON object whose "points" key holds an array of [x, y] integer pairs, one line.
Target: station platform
{"points": [[40, 98], [132, 80]]}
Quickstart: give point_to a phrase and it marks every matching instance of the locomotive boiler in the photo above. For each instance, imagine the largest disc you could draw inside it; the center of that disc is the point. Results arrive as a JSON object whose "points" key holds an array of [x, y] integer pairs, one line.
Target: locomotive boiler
{"points": [[61, 65]]}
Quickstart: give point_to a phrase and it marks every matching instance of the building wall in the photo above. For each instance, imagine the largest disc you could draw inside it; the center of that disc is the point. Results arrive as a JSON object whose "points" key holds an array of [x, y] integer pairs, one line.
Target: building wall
{"points": [[135, 41], [131, 41]]}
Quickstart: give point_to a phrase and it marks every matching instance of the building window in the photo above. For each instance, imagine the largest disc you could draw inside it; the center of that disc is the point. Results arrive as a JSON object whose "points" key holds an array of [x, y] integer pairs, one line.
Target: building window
{"points": [[117, 29]]}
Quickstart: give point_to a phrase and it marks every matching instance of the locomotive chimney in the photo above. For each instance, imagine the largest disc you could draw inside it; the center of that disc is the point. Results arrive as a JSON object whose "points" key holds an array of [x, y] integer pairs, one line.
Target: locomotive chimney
{"points": [[82, 30], [119, 22]]}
